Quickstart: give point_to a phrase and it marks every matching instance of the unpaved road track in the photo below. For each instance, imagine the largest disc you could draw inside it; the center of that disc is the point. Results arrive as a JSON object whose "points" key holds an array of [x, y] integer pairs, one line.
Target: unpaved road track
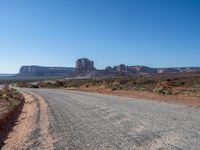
{"points": [[88, 121]]}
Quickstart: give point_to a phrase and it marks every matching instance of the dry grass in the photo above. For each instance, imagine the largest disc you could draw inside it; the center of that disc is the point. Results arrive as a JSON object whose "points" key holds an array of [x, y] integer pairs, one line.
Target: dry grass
{"points": [[10, 95]]}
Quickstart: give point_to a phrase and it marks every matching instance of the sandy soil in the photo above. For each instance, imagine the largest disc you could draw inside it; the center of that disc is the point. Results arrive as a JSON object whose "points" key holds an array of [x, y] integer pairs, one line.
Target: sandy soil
{"points": [[191, 101], [22, 136], [18, 136]]}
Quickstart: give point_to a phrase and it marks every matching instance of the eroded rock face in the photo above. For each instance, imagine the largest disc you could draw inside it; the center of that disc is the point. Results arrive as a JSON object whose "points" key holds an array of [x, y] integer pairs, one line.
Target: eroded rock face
{"points": [[45, 71], [121, 70]]}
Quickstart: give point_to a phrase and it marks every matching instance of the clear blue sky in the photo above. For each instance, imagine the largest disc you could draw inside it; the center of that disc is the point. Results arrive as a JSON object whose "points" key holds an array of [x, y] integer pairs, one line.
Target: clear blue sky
{"points": [[156, 33]]}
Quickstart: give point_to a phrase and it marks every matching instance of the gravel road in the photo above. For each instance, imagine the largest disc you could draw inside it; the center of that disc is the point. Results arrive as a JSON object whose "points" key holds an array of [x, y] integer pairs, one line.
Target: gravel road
{"points": [[88, 121]]}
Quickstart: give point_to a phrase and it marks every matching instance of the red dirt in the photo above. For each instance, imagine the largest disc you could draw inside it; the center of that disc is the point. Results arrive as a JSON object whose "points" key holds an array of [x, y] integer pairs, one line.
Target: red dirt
{"points": [[188, 100], [20, 138]]}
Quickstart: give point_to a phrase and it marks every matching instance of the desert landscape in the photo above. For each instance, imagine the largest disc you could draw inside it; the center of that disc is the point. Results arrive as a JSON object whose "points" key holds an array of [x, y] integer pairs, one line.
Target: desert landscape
{"points": [[100, 75]]}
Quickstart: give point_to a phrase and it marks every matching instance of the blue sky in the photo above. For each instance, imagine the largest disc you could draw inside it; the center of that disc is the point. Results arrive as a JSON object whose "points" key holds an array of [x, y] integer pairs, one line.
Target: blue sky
{"points": [[156, 33]]}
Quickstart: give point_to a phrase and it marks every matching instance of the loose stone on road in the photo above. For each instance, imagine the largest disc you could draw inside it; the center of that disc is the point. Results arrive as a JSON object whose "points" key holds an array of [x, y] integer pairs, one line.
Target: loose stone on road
{"points": [[88, 121]]}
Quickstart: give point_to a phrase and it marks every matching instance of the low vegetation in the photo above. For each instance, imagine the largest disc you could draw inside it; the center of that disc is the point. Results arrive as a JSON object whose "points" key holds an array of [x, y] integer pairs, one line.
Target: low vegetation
{"points": [[11, 95], [11, 103], [174, 84]]}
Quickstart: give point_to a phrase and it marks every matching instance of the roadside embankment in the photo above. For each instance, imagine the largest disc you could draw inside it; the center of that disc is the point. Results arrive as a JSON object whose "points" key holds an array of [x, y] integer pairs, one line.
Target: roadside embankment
{"points": [[32, 127], [11, 104]]}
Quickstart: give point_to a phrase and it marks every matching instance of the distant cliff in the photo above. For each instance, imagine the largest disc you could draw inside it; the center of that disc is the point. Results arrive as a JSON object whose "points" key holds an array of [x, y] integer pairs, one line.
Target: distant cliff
{"points": [[45, 71], [122, 70]]}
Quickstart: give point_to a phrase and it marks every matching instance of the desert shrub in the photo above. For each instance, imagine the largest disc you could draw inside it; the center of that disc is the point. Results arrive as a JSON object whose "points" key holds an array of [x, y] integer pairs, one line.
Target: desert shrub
{"points": [[162, 90], [22, 85], [59, 83], [11, 95], [116, 87], [5, 96], [177, 83]]}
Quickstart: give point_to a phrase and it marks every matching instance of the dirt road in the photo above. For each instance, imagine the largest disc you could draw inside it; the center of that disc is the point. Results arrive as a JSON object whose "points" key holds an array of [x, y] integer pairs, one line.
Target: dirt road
{"points": [[88, 121]]}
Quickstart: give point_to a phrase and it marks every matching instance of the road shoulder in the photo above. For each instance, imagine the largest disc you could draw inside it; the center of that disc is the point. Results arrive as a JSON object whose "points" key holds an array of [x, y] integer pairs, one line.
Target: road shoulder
{"points": [[183, 100], [31, 128]]}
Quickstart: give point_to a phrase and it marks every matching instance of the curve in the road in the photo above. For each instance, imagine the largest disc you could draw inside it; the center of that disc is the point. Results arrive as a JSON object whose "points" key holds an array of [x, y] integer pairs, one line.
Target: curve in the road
{"points": [[88, 121]]}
